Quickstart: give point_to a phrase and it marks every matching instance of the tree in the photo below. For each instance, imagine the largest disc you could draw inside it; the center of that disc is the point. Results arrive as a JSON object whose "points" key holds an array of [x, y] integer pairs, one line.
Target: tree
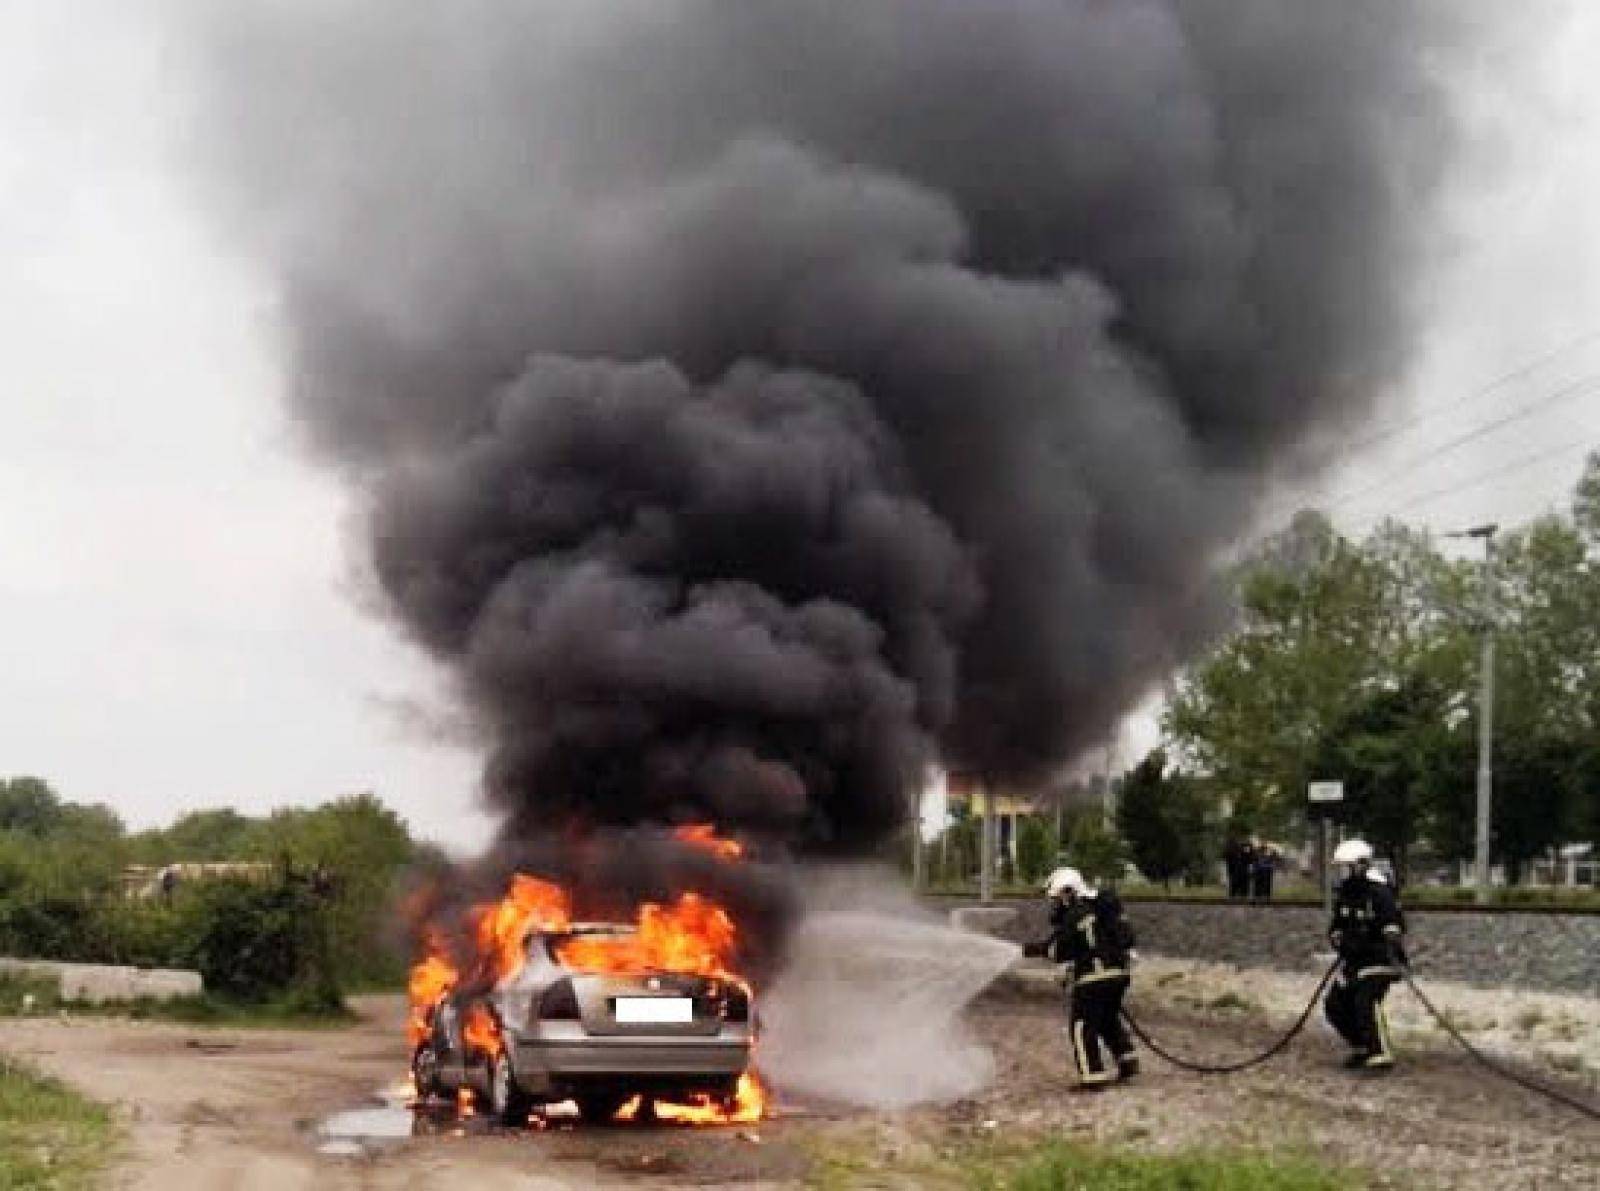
{"points": [[1359, 660], [359, 847], [1382, 751], [1586, 501], [1036, 848], [1165, 821], [1094, 849], [1321, 620], [207, 835], [28, 804]]}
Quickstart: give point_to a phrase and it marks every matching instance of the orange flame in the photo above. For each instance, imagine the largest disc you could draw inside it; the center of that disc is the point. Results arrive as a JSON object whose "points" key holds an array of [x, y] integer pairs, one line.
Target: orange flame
{"points": [[704, 835], [692, 936], [430, 979], [480, 1031], [502, 928], [751, 1104]]}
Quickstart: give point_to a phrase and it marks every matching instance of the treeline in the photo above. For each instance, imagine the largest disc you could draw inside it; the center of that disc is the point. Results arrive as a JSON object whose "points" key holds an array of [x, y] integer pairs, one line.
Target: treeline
{"points": [[317, 918], [1358, 660]]}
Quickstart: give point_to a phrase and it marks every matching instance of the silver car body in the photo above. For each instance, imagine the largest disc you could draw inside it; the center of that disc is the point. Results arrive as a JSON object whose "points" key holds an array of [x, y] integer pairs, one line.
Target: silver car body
{"points": [[562, 1046]]}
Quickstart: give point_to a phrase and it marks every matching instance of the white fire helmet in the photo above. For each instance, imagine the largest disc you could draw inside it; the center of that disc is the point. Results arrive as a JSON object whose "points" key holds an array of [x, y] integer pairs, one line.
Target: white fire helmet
{"points": [[1067, 880], [1353, 851]]}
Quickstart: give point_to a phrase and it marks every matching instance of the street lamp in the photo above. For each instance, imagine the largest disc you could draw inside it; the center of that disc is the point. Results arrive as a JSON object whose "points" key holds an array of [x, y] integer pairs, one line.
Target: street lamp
{"points": [[1485, 706]]}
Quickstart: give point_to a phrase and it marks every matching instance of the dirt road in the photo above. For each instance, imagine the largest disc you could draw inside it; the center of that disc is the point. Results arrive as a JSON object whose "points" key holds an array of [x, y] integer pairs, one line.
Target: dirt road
{"points": [[240, 1110]]}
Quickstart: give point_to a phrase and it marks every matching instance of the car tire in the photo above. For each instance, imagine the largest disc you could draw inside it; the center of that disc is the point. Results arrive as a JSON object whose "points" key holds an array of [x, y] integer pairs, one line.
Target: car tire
{"points": [[597, 1108], [425, 1072], [509, 1104]]}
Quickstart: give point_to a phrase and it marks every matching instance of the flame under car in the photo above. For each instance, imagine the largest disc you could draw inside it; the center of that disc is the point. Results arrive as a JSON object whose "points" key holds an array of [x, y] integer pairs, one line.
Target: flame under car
{"points": [[556, 1030]]}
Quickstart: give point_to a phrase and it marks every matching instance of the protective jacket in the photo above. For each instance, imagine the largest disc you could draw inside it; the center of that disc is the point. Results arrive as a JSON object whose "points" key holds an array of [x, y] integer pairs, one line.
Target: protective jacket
{"points": [[1091, 934], [1368, 928]]}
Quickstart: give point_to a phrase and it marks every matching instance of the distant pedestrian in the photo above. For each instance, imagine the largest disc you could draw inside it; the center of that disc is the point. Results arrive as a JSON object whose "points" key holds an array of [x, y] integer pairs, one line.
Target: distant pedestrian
{"points": [[1238, 857], [1262, 867]]}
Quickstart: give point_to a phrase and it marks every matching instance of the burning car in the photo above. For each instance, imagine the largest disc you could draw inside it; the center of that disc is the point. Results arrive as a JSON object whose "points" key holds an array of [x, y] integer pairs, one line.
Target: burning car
{"points": [[619, 1018]]}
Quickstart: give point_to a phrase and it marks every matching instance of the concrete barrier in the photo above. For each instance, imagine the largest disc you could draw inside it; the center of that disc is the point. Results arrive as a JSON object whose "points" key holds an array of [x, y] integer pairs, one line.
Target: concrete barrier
{"points": [[98, 984]]}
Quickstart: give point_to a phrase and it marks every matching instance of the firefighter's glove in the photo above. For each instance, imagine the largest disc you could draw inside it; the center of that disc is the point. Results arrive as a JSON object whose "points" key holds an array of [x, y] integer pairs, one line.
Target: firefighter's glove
{"points": [[1395, 948]]}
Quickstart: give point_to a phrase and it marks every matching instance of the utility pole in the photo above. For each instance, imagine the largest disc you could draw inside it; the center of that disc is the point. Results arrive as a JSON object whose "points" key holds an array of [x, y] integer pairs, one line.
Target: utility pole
{"points": [[986, 845], [919, 874], [1485, 709]]}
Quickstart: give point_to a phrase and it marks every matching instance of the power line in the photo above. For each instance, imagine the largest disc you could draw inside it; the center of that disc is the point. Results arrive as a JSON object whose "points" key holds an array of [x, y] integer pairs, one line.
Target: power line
{"points": [[1387, 432], [1580, 387], [1489, 476]]}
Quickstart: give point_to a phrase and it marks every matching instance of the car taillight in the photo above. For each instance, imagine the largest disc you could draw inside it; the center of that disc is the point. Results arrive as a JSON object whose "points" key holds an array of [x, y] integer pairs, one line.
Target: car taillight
{"points": [[736, 1005], [559, 1003]]}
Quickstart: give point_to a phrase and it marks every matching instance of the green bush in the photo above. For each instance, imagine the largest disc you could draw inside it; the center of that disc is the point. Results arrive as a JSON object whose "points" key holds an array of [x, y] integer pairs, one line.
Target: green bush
{"points": [[252, 942], [249, 941]]}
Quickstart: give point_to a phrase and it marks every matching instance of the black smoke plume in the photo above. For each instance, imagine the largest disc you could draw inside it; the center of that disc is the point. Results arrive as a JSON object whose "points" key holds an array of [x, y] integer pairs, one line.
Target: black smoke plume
{"points": [[757, 399]]}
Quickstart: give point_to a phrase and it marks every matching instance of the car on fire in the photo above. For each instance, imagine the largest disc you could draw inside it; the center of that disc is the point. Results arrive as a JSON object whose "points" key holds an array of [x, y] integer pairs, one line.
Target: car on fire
{"points": [[553, 1031]]}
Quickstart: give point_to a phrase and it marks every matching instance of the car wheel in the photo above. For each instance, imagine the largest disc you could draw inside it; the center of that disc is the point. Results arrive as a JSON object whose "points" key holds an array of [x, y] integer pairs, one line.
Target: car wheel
{"points": [[507, 1101], [597, 1108], [425, 1073]]}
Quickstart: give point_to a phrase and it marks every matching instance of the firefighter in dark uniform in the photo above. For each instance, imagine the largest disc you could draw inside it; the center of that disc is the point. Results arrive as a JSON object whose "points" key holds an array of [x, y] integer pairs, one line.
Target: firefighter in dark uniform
{"points": [[1368, 932], [1089, 932]]}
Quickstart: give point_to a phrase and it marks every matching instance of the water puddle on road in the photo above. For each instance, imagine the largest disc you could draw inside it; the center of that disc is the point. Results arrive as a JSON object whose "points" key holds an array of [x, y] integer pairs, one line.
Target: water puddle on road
{"points": [[361, 1132]]}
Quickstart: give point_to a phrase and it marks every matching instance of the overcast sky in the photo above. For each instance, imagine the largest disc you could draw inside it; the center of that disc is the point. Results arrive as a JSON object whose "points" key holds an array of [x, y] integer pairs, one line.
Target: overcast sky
{"points": [[178, 621]]}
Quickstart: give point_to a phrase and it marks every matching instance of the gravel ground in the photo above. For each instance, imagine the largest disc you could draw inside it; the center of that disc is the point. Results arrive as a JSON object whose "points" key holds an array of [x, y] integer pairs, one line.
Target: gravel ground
{"points": [[1557, 1032], [240, 1109], [1439, 1120]]}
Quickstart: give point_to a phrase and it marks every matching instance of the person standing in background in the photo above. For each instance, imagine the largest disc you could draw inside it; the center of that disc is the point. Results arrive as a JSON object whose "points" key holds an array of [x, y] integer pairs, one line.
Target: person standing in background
{"points": [[1262, 867], [1237, 858]]}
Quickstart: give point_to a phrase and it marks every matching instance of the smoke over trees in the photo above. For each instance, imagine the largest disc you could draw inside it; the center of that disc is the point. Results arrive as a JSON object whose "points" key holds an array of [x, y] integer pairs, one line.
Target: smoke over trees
{"points": [[755, 399]]}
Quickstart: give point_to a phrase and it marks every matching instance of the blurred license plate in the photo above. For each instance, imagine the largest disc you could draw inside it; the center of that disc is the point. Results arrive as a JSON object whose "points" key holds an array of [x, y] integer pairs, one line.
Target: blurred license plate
{"points": [[655, 1010]]}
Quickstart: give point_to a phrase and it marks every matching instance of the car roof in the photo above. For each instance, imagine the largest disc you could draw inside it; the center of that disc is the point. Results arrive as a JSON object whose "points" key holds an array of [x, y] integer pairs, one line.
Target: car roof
{"points": [[590, 928]]}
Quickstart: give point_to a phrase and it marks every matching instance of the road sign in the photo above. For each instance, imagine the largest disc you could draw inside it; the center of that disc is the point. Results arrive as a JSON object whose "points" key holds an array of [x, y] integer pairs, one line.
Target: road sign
{"points": [[1325, 791]]}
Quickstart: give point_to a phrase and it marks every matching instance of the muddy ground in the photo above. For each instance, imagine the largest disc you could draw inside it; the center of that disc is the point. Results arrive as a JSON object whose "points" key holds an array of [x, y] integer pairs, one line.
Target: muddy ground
{"points": [[241, 1110]]}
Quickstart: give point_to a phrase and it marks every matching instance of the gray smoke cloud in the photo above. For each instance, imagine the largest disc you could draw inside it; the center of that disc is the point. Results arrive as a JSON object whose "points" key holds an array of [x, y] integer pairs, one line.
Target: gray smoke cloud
{"points": [[758, 398]]}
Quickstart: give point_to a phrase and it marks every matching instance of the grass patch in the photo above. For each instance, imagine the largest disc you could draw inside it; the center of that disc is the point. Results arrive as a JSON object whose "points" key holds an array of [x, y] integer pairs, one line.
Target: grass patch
{"points": [[22, 996], [51, 1139], [1063, 1166], [1530, 1019], [1057, 1164], [1231, 1000]]}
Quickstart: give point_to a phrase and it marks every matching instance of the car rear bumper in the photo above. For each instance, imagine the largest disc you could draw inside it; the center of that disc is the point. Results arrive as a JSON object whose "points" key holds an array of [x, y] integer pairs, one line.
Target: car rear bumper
{"points": [[559, 1059]]}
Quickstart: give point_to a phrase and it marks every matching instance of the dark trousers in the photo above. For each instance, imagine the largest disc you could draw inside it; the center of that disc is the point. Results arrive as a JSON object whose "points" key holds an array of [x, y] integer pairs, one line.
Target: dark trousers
{"points": [[1354, 1007], [1261, 883], [1100, 1042], [1238, 880]]}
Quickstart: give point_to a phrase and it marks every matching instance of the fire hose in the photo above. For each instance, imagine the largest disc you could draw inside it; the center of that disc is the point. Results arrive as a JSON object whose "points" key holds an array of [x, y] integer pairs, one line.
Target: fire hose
{"points": [[1271, 1052], [1496, 1068], [1500, 1069]]}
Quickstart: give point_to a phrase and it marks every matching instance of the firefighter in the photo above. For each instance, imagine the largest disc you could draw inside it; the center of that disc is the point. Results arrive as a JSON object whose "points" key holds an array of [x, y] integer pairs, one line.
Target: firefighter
{"points": [[1368, 932], [1089, 932]]}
